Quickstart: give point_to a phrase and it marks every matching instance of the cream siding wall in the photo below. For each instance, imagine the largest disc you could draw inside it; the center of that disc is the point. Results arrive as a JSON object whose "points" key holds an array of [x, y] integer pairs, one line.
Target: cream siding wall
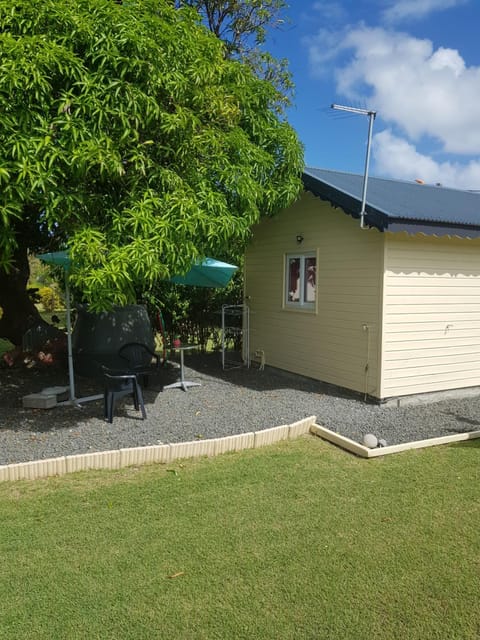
{"points": [[431, 333], [330, 344]]}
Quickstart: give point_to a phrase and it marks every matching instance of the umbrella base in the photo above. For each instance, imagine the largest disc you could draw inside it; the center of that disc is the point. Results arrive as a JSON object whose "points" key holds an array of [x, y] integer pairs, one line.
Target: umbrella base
{"points": [[182, 384], [79, 401]]}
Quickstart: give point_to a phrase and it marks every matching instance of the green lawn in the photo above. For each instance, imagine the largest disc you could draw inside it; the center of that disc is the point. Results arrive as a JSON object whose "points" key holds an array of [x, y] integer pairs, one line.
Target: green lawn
{"points": [[297, 540]]}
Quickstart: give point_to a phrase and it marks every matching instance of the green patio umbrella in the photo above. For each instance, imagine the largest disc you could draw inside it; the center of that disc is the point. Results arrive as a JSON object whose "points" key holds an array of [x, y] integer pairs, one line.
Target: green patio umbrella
{"points": [[208, 273], [60, 258]]}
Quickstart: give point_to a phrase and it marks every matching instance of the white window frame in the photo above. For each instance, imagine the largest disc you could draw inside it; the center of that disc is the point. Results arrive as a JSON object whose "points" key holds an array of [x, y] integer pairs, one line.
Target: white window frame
{"points": [[301, 304]]}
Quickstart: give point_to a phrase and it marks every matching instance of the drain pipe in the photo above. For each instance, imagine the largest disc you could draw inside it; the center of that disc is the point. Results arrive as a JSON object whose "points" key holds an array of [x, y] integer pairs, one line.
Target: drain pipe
{"points": [[366, 329], [371, 117]]}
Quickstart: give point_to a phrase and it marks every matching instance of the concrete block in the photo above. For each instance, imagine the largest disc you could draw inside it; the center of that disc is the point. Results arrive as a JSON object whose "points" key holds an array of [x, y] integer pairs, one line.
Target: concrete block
{"points": [[39, 401], [61, 393]]}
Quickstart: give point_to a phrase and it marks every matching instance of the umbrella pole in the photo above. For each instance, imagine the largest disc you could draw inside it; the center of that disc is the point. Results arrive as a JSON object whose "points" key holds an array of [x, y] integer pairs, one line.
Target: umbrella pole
{"points": [[69, 340]]}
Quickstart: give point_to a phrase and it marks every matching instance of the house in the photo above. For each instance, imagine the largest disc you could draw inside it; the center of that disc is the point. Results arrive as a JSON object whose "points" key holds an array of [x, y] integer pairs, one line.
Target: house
{"points": [[388, 310]]}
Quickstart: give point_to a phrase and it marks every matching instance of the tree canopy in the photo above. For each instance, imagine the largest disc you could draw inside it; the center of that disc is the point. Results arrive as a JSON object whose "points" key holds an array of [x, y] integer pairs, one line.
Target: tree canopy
{"points": [[128, 136], [243, 25]]}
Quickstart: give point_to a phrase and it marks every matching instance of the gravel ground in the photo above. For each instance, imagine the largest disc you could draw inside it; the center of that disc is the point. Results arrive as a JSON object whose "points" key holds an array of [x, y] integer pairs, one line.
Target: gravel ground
{"points": [[226, 403]]}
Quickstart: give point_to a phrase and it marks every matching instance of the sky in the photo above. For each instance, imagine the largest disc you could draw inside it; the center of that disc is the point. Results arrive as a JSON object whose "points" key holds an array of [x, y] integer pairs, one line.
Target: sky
{"points": [[415, 62]]}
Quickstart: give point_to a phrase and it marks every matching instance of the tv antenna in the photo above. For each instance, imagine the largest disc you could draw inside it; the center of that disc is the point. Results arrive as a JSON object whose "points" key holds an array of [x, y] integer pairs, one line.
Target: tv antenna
{"points": [[371, 117]]}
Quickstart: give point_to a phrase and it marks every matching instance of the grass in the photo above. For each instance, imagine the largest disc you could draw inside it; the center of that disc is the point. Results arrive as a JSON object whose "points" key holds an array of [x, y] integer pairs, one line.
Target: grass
{"points": [[297, 540]]}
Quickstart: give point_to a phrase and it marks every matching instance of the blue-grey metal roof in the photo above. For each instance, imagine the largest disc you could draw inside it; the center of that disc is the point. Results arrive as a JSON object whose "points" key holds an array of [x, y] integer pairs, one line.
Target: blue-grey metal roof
{"points": [[396, 205]]}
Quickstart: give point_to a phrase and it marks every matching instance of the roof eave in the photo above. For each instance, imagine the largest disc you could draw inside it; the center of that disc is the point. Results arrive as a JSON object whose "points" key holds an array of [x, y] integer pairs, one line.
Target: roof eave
{"points": [[432, 228], [348, 203], [379, 219]]}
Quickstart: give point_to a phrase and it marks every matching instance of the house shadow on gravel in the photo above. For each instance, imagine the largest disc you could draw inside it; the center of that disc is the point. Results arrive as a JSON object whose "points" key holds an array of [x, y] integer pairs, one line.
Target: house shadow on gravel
{"points": [[254, 378]]}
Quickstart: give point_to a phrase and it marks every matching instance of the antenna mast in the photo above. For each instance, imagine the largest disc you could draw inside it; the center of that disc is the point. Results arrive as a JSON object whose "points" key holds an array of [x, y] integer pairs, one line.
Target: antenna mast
{"points": [[371, 117]]}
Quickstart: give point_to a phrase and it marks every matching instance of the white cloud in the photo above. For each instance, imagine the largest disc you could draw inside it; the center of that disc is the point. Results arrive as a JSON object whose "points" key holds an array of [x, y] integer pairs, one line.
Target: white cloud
{"points": [[425, 95], [417, 9], [331, 11], [422, 91], [396, 157], [322, 48]]}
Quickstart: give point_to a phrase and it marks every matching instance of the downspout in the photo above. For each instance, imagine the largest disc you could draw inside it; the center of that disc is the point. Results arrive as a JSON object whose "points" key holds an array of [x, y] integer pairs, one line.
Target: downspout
{"points": [[366, 369]]}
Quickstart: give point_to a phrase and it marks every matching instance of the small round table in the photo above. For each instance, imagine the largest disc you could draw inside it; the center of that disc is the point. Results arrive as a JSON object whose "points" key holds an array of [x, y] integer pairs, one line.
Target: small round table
{"points": [[182, 383]]}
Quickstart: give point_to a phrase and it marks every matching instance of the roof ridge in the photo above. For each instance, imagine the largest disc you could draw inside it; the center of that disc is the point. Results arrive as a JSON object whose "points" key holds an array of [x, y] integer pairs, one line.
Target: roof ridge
{"points": [[396, 180]]}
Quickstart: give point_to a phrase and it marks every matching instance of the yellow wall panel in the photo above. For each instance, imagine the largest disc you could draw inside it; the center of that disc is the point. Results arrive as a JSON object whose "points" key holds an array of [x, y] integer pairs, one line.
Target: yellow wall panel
{"points": [[431, 326], [329, 343]]}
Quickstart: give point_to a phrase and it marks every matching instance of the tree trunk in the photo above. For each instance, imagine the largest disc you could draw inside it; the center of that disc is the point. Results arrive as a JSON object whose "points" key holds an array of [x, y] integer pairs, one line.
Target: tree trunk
{"points": [[19, 311]]}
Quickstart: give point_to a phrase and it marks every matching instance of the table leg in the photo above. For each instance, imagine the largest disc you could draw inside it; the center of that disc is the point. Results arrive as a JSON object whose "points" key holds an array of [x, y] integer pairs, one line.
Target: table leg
{"points": [[182, 383]]}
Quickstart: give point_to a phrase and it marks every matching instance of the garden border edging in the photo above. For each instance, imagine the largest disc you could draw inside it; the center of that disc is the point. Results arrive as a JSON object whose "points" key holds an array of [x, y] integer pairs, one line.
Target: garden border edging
{"points": [[364, 452], [163, 453]]}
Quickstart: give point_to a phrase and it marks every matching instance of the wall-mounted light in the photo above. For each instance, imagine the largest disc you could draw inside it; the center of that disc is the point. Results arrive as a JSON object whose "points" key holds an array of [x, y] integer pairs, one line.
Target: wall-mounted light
{"points": [[299, 238]]}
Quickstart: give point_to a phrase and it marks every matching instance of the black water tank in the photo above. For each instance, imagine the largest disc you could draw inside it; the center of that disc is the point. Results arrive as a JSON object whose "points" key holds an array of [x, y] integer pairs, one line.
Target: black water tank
{"points": [[97, 337]]}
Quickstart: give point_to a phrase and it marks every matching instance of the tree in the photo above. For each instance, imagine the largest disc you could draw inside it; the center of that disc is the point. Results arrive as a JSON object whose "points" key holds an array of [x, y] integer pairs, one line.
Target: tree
{"points": [[242, 25], [128, 136]]}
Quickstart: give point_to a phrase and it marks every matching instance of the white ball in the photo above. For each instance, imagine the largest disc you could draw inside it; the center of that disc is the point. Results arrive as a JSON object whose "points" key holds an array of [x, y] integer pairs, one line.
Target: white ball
{"points": [[370, 441]]}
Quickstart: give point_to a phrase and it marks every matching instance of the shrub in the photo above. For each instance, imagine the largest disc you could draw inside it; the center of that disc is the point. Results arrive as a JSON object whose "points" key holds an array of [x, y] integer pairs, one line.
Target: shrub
{"points": [[49, 298]]}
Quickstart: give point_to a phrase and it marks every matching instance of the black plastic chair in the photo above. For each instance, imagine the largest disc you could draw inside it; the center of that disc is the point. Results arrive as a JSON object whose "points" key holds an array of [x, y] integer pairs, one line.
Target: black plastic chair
{"points": [[119, 385], [140, 360]]}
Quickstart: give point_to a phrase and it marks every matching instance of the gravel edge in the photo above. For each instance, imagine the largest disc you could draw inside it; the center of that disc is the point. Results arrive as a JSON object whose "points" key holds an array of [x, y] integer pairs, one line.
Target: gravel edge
{"points": [[227, 403]]}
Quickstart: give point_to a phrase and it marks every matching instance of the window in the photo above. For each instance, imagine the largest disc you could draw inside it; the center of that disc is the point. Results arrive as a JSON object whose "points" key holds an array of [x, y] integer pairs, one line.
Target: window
{"points": [[301, 281]]}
